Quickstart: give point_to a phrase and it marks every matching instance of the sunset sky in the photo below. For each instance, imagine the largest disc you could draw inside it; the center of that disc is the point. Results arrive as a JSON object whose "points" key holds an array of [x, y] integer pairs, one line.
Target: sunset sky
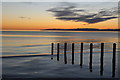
{"points": [[61, 15]]}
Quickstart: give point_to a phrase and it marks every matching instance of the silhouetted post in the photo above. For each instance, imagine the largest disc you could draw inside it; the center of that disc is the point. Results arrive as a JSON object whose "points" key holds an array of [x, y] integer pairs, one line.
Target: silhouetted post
{"points": [[114, 60], [72, 53], [57, 51], [90, 64], [81, 55], [52, 46], [101, 59], [65, 56]]}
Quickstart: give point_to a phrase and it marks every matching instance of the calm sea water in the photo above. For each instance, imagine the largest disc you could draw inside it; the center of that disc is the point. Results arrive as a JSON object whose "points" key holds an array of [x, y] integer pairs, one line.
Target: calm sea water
{"points": [[39, 42], [36, 42]]}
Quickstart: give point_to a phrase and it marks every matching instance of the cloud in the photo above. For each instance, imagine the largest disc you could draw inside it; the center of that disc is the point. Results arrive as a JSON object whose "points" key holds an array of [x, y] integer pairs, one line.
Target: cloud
{"points": [[65, 11], [24, 17], [94, 20], [70, 12]]}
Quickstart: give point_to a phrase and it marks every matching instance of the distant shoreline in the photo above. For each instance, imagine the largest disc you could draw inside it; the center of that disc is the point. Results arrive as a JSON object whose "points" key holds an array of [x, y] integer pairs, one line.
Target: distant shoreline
{"points": [[85, 29]]}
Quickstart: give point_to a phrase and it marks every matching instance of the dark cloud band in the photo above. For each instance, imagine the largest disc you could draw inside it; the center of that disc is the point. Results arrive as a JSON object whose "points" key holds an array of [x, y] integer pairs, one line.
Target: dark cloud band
{"points": [[72, 13]]}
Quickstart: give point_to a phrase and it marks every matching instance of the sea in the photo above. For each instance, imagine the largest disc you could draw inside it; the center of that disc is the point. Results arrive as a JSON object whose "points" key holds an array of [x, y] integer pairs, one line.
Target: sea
{"points": [[27, 54]]}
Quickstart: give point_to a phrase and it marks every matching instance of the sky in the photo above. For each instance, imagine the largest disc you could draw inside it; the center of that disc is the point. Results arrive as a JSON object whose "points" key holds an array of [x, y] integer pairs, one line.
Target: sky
{"points": [[60, 0], [60, 15]]}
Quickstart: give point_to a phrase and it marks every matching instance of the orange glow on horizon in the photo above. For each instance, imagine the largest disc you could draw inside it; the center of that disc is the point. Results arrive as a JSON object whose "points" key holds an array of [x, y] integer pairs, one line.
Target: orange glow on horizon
{"points": [[21, 16], [37, 25]]}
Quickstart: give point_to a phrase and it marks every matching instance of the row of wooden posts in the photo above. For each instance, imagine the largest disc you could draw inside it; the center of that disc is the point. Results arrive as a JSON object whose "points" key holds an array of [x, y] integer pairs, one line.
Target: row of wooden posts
{"points": [[81, 56]]}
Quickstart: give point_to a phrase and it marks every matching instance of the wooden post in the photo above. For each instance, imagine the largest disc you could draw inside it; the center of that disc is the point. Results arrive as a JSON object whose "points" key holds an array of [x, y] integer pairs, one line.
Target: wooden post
{"points": [[65, 56], [101, 59], [114, 60], [52, 46], [72, 53], [81, 55], [57, 51], [90, 64]]}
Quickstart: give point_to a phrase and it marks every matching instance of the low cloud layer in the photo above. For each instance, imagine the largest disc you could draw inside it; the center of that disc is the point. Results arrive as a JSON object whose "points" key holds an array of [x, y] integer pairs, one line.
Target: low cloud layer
{"points": [[72, 13], [24, 17]]}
